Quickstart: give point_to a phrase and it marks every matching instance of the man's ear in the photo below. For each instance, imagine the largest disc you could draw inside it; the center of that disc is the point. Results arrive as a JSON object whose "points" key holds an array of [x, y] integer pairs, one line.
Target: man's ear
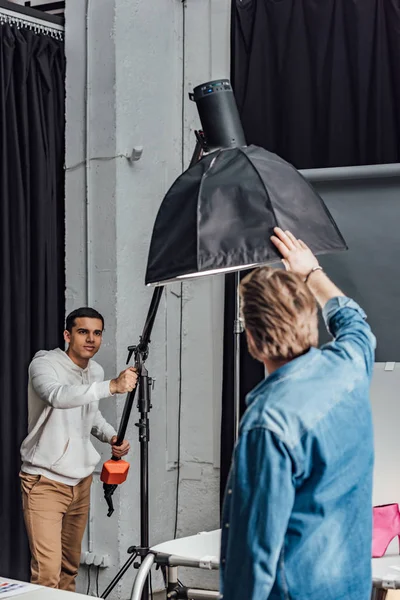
{"points": [[251, 345], [252, 348], [67, 336], [249, 339]]}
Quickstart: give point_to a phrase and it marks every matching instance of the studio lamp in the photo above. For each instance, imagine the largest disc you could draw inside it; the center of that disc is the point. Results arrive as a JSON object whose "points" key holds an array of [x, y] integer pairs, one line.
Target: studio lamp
{"points": [[217, 217]]}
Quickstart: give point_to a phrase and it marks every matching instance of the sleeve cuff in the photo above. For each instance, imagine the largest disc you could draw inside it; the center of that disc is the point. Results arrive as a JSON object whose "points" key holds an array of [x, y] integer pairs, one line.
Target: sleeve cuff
{"points": [[335, 304], [103, 389], [109, 432]]}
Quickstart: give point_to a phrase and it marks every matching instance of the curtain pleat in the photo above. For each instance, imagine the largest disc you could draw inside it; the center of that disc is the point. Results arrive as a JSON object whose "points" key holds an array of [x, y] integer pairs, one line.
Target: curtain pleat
{"points": [[32, 280], [317, 82]]}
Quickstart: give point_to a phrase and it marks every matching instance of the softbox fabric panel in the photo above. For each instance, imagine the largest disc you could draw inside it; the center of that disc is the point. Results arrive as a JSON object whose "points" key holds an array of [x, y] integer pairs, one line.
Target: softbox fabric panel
{"points": [[173, 247], [296, 204], [234, 214], [220, 214]]}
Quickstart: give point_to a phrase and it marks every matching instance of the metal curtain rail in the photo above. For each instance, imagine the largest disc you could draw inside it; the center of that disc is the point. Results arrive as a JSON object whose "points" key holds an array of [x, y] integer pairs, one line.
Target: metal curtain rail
{"points": [[59, 5], [352, 173], [31, 15]]}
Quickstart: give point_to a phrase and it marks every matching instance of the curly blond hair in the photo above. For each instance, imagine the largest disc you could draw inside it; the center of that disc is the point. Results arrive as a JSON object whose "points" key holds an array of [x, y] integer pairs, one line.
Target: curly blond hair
{"points": [[280, 313]]}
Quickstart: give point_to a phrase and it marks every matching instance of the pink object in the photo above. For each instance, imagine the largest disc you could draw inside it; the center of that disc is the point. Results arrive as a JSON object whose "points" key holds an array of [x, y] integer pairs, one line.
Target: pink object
{"points": [[386, 527]]}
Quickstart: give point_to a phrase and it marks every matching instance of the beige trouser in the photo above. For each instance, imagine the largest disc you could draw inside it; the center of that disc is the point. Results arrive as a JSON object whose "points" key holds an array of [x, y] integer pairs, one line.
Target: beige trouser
{"points": [[55, 517], [381, 594]]}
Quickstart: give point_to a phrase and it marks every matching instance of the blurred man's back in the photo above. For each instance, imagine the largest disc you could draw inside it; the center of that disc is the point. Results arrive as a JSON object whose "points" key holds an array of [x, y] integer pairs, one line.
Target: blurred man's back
{"points": [[297, 518]]}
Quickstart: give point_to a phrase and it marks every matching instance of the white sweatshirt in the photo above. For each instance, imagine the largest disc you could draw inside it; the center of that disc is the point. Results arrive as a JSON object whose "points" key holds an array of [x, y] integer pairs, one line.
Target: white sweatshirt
{"points": [[63, 410]]}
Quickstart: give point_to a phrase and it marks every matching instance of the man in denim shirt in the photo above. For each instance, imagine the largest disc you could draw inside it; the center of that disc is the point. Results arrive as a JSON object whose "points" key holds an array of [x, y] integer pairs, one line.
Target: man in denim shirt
{"points": [[297, 520]]}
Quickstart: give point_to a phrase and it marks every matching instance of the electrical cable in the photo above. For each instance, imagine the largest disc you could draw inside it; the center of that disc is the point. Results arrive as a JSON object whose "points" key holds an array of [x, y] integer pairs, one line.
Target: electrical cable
{"points": [[178, 470], [97, 582], [88, 585], [84, 162]]}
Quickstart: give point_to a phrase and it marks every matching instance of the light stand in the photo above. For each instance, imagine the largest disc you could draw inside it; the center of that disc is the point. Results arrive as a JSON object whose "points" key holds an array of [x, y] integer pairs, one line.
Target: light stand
{"points": [[237, 330], [145, 386], [220, 120], [216, 218]]}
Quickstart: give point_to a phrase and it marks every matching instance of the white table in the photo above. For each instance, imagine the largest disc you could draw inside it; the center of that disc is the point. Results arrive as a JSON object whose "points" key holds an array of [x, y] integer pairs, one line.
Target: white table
{"points": [[199, 551], [51, 594], [202, 551], [38, 592], [386, 571]]}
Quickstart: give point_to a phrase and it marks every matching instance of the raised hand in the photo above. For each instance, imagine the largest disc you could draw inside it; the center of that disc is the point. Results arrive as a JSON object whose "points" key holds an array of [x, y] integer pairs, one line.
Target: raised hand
{"points": [[297, 256]]}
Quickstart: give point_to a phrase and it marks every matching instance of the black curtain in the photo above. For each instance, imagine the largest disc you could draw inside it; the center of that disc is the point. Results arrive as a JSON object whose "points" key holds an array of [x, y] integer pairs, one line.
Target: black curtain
{"points": [[319, 84], [32, 248]]}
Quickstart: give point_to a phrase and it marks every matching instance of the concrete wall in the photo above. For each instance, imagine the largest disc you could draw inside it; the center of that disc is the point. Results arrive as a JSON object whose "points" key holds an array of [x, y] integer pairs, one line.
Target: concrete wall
{"points": [[144, 58]]}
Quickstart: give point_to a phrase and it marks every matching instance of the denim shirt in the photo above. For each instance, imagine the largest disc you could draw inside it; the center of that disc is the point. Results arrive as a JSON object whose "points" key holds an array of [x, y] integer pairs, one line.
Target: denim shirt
{"points": [[297, 518]]}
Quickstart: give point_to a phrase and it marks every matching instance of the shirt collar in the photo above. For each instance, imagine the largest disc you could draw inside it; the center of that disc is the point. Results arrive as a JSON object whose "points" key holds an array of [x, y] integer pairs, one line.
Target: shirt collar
{"points": [[288, 370], [71, 362]]}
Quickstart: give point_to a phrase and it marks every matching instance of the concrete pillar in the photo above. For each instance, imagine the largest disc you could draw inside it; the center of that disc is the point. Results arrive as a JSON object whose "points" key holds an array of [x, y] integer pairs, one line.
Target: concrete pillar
{"points": [[144, 58]]}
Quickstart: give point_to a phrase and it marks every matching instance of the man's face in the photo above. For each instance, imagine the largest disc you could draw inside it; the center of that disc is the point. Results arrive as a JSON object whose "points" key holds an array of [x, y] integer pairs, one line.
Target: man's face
{"points": [[85, 338]]}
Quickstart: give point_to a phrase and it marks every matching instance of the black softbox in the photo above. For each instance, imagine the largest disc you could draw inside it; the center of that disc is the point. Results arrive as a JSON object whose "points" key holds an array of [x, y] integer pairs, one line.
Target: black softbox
{"points": [[219, 215]]}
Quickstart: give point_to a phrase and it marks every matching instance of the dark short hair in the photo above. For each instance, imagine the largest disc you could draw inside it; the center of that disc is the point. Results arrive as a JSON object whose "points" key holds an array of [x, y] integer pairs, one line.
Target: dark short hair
{"points": [[82, 312]]}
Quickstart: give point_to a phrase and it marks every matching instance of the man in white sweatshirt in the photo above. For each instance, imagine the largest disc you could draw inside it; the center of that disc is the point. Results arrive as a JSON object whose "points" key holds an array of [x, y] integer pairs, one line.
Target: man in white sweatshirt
{"points": [[58, 457]]}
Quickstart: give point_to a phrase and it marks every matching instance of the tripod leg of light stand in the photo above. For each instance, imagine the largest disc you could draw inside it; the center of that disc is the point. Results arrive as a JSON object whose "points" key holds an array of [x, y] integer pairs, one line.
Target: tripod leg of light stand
{"points": [[120, 574]]}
